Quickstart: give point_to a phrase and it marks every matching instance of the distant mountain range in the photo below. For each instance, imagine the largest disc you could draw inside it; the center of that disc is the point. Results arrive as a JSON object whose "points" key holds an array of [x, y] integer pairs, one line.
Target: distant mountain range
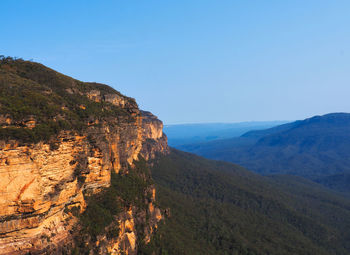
{"points": [[181, 134], [317, 148]]}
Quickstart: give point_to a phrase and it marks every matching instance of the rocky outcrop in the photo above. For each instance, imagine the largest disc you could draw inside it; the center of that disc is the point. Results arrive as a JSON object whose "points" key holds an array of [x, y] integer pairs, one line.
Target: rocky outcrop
{"points": [[126, 242], [114, 99], [155, 140], [41, 182]]}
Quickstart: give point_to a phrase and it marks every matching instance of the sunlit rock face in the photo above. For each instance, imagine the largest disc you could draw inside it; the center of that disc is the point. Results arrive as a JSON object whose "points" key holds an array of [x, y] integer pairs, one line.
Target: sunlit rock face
{"points": [[126, 241], [40, 182], [155, 140], [151, 125]]}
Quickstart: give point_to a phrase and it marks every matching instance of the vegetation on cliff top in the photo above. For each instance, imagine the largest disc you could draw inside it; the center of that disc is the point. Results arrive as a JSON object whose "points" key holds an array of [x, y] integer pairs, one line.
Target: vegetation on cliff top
{"points": [[31, 91]]}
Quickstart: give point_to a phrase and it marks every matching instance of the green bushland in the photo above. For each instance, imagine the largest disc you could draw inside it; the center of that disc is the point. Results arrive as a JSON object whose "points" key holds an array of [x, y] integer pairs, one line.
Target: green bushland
{"points": [[31, 90], [220, 208], [41, 132]]}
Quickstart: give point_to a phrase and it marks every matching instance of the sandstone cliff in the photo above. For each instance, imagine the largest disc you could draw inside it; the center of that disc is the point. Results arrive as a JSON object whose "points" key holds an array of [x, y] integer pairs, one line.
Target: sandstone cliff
{"points": [[52, 174]]}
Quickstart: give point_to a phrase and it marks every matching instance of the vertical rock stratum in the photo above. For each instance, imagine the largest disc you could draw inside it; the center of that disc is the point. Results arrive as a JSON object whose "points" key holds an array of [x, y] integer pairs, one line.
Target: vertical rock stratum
{"points": [[73, 170]]}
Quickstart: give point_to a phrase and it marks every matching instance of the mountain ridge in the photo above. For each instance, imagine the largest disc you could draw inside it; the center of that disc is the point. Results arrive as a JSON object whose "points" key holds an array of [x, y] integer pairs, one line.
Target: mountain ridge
{"points": [[181, 134], [315, 148]]}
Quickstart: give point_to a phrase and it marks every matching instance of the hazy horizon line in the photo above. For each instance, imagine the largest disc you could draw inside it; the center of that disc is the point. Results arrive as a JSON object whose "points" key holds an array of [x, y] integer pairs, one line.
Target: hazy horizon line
{"points": [[230, 122]]}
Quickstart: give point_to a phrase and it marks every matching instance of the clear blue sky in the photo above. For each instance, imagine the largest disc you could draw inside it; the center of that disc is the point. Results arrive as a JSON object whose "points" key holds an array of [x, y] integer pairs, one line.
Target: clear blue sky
{"points": [[195, 60]]}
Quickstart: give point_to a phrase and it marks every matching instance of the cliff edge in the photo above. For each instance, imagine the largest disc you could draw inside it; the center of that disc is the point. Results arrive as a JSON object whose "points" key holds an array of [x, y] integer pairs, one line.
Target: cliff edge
{"points": [[73, 165]]}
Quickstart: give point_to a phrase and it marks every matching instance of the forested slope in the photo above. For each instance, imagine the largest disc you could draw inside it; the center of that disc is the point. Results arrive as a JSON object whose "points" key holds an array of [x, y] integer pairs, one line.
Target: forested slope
{"points": [[221, 208]]}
